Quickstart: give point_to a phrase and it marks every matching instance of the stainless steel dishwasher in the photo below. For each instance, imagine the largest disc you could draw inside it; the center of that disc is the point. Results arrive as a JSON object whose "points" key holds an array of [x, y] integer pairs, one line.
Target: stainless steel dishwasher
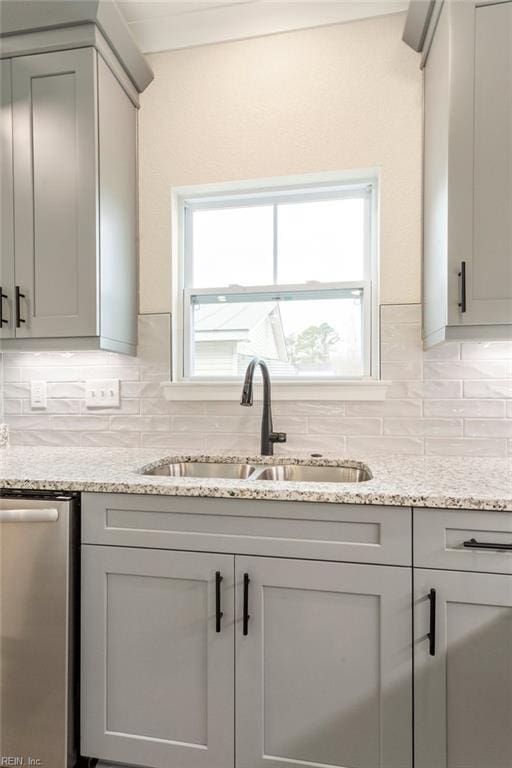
{"points": [[38, 608]]}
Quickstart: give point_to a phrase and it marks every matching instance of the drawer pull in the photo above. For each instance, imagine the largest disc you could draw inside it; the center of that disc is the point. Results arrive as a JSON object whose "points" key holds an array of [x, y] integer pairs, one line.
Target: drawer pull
{"points": [[218, 612], [246, 605], [432, 632], [474, 544]]}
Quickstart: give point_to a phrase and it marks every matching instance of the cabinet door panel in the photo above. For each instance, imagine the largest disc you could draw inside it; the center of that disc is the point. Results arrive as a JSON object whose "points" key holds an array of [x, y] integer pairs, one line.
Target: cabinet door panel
{"points": [[492, 231], [463, 693], [6, 202], [55, 187], [324, 673], [480, 204], [157, 679]]}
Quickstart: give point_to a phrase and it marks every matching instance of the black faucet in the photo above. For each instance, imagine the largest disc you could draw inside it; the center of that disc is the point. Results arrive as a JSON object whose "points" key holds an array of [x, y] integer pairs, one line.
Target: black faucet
{"points": [[268, 436]]}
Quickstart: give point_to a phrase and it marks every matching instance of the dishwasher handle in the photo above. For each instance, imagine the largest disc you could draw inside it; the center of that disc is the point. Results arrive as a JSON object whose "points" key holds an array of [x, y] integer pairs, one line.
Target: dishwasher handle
{"points": [[42, 515]]}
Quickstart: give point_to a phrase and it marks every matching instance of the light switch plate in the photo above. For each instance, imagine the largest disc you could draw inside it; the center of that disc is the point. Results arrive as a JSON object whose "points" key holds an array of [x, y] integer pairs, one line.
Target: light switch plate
{"points": [[102, 393], [38, 394]]}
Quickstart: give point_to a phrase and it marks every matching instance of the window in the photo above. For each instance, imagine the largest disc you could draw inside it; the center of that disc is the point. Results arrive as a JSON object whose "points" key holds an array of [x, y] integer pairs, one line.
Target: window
{"points": [[285, 274]]}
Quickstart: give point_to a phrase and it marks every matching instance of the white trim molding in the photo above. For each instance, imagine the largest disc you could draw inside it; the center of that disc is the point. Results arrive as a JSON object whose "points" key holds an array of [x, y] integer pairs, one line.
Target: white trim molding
{"points": [[356, 389]]}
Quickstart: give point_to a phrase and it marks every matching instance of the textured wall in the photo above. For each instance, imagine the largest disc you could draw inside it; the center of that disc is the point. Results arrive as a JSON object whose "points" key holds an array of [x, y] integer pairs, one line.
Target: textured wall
{"points": [[453, 400], [326, 99]]}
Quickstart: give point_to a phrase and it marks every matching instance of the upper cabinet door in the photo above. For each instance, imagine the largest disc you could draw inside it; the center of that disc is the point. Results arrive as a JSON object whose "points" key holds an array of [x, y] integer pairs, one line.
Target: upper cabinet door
{"points": [[463, 685], [324, 671], [481, 162], [6, 204], [55, 193], [157, 659]]}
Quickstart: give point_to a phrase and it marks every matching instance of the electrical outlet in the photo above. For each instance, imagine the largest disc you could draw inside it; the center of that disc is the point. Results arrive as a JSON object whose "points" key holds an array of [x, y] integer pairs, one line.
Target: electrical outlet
{"points": [[38, 394], [102, 393]]}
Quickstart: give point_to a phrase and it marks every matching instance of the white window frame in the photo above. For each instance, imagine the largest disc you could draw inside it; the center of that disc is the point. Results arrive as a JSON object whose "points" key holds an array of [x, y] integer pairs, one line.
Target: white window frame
{"points": [[186, 200]]}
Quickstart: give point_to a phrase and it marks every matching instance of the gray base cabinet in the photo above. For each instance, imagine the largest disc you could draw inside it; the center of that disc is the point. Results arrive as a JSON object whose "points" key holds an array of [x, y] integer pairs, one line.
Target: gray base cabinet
{"points": [[463, 684], [309, 664], [157, 678], [323, 676]]}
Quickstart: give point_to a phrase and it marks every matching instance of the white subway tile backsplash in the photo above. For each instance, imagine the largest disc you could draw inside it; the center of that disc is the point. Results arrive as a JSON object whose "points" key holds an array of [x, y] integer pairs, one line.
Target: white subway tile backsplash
{"points": [[48, 437], [466, 369], [408, 369], [391, 351], [385, 408], [385, 445], [79, 423], [424, 389], [488, 428], [53, 406], [464, 408], [400, 313], [465, 446], [169, 442], [495, 350], [139, 423], [454, 400], [344, 426], [448, 351], [404, 332], [423, 427], [12, 407], [110, 440], [500, 389]]}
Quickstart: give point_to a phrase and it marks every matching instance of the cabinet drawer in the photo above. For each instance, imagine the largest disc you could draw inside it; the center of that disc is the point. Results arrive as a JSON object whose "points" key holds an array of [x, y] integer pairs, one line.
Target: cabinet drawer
{"points": [[354, 533], [459, 540]]}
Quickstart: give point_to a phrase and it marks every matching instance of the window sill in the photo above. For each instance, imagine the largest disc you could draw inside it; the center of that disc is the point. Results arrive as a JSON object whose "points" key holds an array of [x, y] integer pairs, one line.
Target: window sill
{"points": [[368, 389]]}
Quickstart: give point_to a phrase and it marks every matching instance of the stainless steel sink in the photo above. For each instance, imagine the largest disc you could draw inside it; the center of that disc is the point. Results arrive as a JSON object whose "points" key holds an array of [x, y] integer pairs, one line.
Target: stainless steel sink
{"points": [[203, 469], [313, 474], [297, 473]]}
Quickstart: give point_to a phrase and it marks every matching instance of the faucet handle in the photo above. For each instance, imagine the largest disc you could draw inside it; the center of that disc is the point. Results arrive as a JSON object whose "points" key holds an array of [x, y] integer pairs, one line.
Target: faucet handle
{"points": [[277, 437]]}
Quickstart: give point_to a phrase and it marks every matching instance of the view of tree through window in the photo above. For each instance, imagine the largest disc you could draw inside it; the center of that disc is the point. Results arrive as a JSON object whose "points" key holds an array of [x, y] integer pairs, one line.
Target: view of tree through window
{"points": [[284, 278]]}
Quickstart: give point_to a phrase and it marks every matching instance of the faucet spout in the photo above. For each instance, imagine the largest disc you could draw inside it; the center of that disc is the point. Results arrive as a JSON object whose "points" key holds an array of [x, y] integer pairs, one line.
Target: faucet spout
{"points": [[268, 436]]}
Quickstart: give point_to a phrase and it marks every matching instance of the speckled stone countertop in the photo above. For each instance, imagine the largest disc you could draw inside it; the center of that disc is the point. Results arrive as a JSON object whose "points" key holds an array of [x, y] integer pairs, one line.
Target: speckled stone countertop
{"points": [[457, 483]]}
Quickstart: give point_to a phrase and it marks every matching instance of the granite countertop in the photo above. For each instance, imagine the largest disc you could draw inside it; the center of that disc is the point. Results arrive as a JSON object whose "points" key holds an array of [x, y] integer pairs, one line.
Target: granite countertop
{"points": [[467, 483]]}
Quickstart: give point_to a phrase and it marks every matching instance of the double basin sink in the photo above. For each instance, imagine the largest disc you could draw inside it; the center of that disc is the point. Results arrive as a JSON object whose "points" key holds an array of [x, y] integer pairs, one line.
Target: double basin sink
{"points": [[299, 473]]}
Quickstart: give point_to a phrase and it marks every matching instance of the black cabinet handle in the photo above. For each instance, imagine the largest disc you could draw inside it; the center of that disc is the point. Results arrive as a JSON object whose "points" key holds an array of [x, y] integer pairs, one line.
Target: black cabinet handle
{"points": [[462, 275], [474, 544], [218, 613], [246, 604], [432, 633], [18, 295], [2, 297]]}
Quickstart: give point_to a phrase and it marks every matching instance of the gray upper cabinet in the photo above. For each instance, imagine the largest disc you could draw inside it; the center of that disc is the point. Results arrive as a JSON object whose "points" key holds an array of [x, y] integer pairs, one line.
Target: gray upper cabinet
{"points": [[6, 204], [55, 193], [323, 671], [463, 684], [68, 260], [467, 239]]}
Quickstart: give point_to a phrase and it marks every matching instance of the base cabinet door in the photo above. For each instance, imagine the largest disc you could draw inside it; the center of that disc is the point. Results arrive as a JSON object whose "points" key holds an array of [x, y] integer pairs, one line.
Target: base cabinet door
{"points": [[463, 670], [157, 659], [323, 664]]}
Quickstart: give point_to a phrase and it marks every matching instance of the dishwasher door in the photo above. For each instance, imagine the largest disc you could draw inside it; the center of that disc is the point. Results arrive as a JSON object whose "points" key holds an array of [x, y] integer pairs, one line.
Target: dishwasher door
{"points": [[36, 631]]}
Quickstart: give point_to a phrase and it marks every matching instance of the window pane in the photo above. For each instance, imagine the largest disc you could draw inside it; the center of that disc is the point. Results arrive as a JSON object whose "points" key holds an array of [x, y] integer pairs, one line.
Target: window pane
{"points": [[318, 334], [233, 246], [321, 241]]}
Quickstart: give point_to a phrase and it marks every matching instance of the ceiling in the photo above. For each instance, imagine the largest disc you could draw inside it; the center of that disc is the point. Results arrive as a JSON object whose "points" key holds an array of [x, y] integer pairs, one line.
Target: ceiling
{"points": [[169, 24]]}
